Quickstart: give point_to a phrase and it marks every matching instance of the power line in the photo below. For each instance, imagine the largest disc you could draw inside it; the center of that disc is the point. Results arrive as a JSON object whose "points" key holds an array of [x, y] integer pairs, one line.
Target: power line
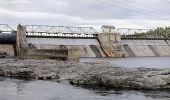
{"points": [[129, 6]]}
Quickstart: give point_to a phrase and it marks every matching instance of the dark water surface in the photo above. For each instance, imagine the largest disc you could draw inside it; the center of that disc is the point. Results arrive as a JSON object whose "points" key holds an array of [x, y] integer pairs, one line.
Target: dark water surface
{"points": [[13, 89], [149, 62]]}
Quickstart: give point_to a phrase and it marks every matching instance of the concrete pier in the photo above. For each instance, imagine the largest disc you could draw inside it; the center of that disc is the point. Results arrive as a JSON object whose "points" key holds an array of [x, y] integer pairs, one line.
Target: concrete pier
{"points": [[110, 44], [21, 42]]}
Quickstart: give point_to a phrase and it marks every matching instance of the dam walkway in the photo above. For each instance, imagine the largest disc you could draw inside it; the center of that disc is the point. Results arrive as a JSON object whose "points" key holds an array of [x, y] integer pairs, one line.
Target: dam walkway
{"points": [[7, 34]]}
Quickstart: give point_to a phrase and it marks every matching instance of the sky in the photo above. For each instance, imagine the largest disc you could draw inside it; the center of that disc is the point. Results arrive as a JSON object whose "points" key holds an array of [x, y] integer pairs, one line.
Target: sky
{"points": [[146, 14]]}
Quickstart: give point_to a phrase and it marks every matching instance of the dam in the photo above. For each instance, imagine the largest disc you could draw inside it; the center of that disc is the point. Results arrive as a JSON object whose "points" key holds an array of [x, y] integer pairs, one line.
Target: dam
{"points": [[146, 48], [63, 42]]}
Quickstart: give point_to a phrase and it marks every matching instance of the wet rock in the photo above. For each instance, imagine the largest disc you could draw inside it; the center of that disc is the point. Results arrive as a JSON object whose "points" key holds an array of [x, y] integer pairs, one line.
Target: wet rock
{"points": [[91, 74], [125, 78]]}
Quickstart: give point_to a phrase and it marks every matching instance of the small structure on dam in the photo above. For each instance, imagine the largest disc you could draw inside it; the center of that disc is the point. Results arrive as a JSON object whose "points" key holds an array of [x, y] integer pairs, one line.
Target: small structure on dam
{"points": [[108, 29], [110, 42]]}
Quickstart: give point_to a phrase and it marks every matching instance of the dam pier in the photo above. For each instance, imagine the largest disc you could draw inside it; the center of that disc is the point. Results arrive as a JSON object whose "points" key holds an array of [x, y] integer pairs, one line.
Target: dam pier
{"points": [[72, 43]]}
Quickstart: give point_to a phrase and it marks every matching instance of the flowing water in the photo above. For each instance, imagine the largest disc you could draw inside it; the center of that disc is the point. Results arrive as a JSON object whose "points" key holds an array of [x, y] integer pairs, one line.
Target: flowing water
{"points": [[13, 89], [149, 62]]}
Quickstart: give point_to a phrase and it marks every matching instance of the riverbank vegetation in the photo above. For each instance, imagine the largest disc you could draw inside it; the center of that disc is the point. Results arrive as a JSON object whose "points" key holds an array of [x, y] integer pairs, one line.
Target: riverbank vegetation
{"points": [[159, 32]]}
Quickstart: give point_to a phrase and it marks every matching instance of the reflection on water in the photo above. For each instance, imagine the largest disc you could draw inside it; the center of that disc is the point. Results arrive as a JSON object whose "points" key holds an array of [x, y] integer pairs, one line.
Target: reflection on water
{"points": [[149, 62], [12, 89]]}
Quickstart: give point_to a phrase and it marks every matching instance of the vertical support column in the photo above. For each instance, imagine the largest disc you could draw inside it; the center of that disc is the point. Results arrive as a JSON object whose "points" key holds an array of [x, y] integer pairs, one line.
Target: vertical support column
{"points": [[73, 54], [110, 44], [21, 42]]}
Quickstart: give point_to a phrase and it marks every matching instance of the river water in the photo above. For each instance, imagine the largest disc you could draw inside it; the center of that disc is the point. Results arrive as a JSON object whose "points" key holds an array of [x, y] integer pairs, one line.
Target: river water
{"points": [[13, 89], [134, 62]]}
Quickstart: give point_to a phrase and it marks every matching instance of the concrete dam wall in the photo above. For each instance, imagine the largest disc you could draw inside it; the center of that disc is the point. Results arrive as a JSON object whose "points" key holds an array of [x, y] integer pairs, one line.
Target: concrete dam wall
{"points": [[140, 48], [87, 47], [62, 41], [102, 45], [8, 49], [85, 50], [105, 47]]}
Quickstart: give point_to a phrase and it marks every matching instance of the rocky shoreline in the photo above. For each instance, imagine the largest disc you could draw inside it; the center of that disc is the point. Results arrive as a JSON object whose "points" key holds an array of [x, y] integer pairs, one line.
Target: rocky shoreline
{"points": [[91, 74]]}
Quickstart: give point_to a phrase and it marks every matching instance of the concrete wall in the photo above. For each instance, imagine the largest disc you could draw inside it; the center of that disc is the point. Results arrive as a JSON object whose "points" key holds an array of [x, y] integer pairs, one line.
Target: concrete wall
{"points": [[85, 50], [47, 54], [73, 54], [110, 44], [108, 30], [138, 48], [62, 41], [21, 42], [144, 42], [87, 47], [8, 48]]}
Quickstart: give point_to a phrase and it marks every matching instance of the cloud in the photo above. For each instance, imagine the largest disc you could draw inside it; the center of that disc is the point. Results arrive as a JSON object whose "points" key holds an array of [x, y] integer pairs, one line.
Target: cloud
{"points": [[120, 13], [22, 1], [28, 15]]}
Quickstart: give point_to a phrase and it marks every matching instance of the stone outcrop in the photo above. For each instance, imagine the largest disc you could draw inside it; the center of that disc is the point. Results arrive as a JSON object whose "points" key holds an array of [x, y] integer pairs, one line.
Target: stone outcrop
{"points": [[91, 74], [119, 77]]}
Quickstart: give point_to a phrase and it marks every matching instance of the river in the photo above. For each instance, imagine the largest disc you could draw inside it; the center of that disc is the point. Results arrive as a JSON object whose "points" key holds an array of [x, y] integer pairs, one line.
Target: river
{"points": [[14, 89], [134, 62]]}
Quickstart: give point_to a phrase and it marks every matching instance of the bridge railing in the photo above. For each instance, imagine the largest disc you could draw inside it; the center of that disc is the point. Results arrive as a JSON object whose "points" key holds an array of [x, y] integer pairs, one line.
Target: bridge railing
{"points": [[46, 30], [131, 31], [5, 28]]}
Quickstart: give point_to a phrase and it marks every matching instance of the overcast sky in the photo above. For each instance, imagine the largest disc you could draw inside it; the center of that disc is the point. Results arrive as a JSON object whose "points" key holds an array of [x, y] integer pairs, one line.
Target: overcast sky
{"points": [[119, 13]]}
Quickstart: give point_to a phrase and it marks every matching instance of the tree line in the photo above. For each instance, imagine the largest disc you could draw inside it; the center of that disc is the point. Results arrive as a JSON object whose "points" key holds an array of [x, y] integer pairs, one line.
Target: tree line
{"points": [[159, 32]]}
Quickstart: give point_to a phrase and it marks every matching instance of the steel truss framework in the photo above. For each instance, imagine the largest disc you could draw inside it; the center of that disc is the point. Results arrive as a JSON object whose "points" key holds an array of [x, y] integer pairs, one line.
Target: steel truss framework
{"points": [[131, 31], [5, 28], [59, 29], [67, 31]]}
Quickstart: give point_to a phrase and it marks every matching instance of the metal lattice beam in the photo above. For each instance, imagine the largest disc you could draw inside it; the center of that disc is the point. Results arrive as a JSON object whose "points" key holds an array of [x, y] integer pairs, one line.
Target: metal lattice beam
{"points": [[59, 29], [131, 31], [5, 28]]}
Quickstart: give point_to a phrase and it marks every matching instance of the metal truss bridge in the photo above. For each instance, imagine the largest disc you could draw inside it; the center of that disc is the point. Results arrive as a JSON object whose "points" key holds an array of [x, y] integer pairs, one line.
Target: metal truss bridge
{"points": [[131, 31], [59, 31], [83, 32], [5, 28]]}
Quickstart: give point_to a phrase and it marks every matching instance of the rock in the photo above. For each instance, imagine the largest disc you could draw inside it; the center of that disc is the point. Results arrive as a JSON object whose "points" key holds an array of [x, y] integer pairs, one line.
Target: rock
{"points": [[91, 74], [124, 78]]}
